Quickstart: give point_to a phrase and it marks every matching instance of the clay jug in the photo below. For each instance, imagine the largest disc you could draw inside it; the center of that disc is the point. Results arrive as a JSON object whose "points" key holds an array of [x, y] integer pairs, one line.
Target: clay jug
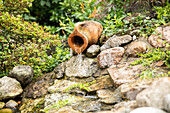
{"points": [[84, 34]]}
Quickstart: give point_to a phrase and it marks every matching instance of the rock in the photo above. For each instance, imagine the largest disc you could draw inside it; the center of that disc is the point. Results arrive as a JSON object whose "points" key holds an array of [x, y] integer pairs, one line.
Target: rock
{"points": [[80, 66], [11, 104], [116, 41], [6, 110], [101, 82], [103, 93], [9, 88], [112, 98], [153, 96], [123, 110], [87, 106], [93, 50], [110, 57], [31, 105], [67, 109], [58, 100], [62, 86], [59, 71], [38, 87], [136, 47], [124, 74], [100, 73], [156, 41], [130, 90], [2, 104], [105, 112], [162, 35], [166, 103], [129, 104], [23, 73], [147, 110]]}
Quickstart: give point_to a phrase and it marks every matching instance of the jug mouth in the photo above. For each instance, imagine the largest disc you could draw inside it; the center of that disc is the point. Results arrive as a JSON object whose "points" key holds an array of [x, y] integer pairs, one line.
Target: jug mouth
{"points": [[78, 42]]}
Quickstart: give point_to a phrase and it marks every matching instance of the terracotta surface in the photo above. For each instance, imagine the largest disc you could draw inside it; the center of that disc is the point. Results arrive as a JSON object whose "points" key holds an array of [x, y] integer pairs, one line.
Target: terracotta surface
{"points": [[84, 34]]}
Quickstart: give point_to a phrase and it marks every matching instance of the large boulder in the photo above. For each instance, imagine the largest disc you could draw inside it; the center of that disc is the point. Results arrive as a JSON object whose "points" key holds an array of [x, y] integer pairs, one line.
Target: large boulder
{"points": [[31, 105], [81, 66], [65, 86], [22, 73], [154, 95], [110, 97], [110, 57], [116, 41], [130, 90], [9, 88], [39, 86], [124, 74], [162, 35], [101, 83], [166, 103], [57, 100], [136, 47], [147, 110]]}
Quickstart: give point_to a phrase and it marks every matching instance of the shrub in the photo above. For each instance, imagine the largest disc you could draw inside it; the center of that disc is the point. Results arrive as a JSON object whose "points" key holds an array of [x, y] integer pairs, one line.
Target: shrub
{"points": [[26, 43]]}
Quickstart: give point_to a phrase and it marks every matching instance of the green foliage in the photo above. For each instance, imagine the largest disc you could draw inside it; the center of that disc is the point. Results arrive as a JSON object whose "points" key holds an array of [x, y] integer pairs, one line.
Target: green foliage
{"points": [[154, 55], [151, 73], [150, 60], [26, 43], [81, 86], [59, 104], [15, 6], [163, 12]]}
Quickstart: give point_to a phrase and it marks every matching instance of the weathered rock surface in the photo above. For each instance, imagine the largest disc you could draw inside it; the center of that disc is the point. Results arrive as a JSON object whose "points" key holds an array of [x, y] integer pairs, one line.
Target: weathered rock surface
{"points": [[162, 34], [31, 105], [39, 86], [130, 90], [55, 99], [124, 74], [101, 83], [67, 109], [61, 86], [87, 106], [6, 110], [153, 96], [110, 57], [59, 71], [103, 93], [105, 112], [166, 102], [11, 104], [22, 73], [93, 50], [129, 104], [136, 47], [112, 98], [116, 41], [9, 88], [147, 110], [123, 110], [2, 104], [80, 66]]}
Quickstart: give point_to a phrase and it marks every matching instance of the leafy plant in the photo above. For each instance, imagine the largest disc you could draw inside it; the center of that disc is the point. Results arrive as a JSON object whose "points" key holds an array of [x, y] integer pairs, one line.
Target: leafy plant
{"points": [[26, 43], [151, 73], [59, 104], [81, 86]]}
